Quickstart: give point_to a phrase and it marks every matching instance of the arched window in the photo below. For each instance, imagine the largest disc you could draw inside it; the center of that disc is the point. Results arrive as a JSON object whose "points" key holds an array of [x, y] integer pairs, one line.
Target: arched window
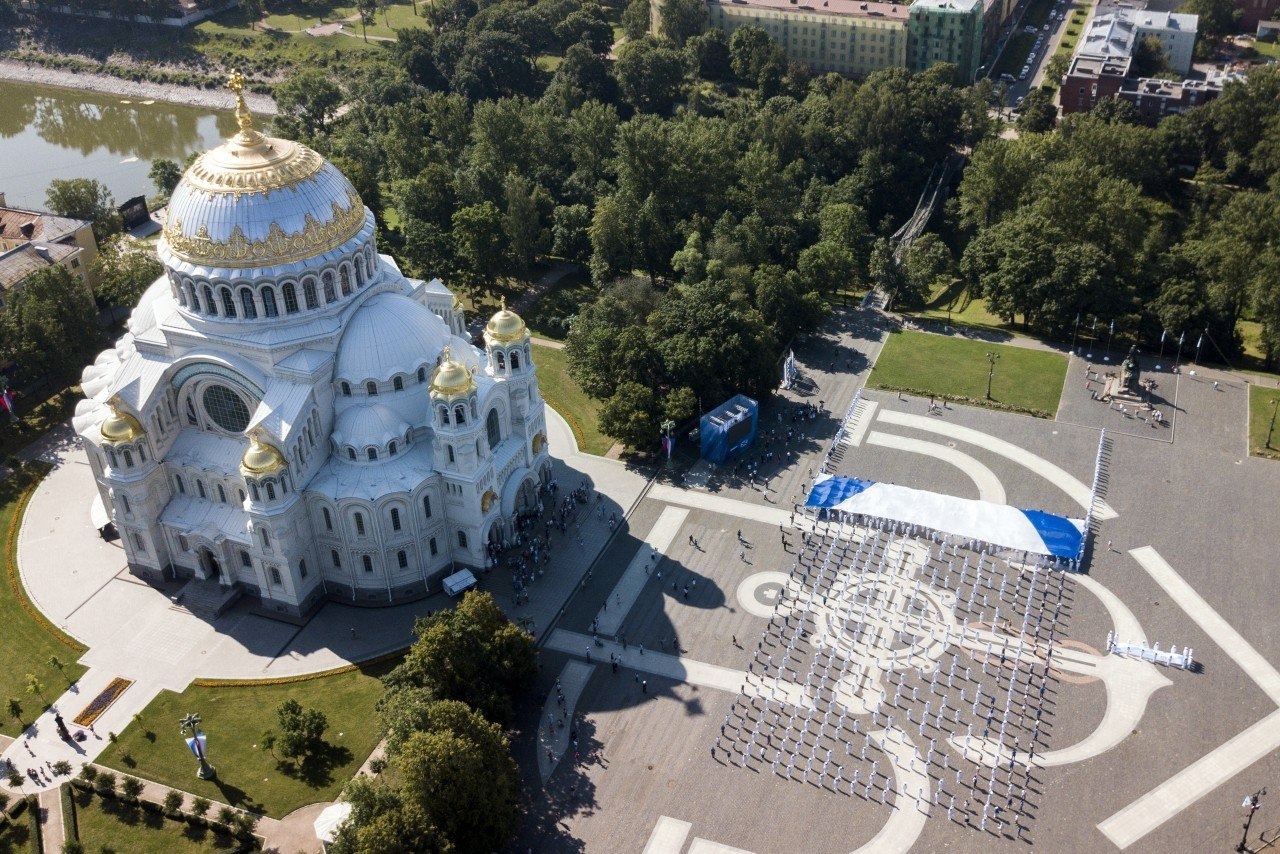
{"points": [[269, 302], [452, 458], [426, 506], [327, 277], [351, 453], [271, 491], [182, 486], [395, 519], [328, 520], [422, 375], [391, 449], [128, 459], [397, 383], [142, 453], [372, 453], [275, 577], [462, 539], [111, 458], [459, 415], [206, 297], [368, 563], [240, 492], [500, 360], [371, 388], [359, 276], [124, 503], [515, 360], [290, 298], [346, 281], [444, 415], [329, 296], [337, 560], [266, 538], [228, 304], [253, 490], [302, 569], [200, 488], [493, 428], [360, 524], [346, 389], [473, 409], [402, 559], [309, 293], [222, 494]]}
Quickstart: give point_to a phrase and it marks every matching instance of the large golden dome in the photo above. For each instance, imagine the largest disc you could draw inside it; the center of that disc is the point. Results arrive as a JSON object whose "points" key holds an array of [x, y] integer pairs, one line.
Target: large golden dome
{"points": [[119, 426], [505, 326], [259, 201], [261, 458], [451, 378]]}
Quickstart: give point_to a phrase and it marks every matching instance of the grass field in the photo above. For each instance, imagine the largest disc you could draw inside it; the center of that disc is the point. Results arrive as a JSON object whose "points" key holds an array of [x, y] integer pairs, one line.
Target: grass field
{"points": [[15, 836], [235, 719], [28, 645], [109, 824], [570, 296], [1025, 380], [966, 310], [1262, 402], [562, 393]]}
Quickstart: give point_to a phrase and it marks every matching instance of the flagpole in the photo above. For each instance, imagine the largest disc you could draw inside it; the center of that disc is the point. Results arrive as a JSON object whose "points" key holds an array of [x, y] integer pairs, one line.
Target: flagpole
{"points": [[1163, 333], [1075, 334], [1181, 336]]}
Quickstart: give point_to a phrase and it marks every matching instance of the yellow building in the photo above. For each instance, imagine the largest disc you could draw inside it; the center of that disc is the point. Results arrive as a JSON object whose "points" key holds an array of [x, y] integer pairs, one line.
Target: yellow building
{"points": [[844, 36], [32, 240]]}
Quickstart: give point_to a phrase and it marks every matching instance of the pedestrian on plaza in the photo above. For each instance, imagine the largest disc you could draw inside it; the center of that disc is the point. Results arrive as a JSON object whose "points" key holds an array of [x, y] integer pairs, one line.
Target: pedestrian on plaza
{"points": [[644, 687]]}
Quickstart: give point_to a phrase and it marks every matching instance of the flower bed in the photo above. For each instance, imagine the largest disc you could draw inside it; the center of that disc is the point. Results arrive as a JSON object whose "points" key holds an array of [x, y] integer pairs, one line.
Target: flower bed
{"points": [[103, 701]]}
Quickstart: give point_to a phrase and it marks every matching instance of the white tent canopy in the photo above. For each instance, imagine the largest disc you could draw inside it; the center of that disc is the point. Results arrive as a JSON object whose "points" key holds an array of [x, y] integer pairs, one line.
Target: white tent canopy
{"points": [[331, 819]]}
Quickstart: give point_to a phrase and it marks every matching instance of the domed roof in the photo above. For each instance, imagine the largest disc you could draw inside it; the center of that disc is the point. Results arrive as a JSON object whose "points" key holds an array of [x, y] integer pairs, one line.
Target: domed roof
{"points": [[505, 326], [390, 334], [451, 378], [362, 426], [258, 201], [261, 458], [119, 426]]}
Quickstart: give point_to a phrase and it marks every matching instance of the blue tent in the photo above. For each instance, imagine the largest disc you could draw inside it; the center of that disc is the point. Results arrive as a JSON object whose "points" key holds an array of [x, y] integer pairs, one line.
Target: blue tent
{"points": [[729, 429]]}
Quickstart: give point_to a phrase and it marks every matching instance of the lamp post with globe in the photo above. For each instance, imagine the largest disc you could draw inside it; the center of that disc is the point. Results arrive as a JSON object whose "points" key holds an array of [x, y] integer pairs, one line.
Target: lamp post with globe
{"points": [[196, 742]]}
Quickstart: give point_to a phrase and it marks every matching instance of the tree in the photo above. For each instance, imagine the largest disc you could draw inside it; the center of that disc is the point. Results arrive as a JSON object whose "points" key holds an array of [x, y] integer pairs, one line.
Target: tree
{"points": [[51, 325], [301, 730], [382, 823], [1057, 68], [635, 19], [649, 74], [522, 223], [570, 225], [494, 65], [1217, 18], [709, 54], [15, 709], [755, 57], [311, 97], [1149, 59], [131, 787], [631, 415], [126, 268], [1039, 113], [165, 175], [173, 801], [585, 27], [925, 262], [479, 244], [471, 653], [681, 20], [368, 11], [85, 198]]}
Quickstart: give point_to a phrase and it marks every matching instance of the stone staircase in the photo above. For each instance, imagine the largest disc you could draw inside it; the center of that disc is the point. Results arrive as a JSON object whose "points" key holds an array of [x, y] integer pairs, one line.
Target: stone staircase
{"points": [[205, 599]]}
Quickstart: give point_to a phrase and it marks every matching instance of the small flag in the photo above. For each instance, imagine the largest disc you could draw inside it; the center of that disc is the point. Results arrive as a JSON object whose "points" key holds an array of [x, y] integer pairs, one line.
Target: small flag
{"points": [[197, 745], [1113, 327], [1201, 341], [6, 399], [1163, 333]]}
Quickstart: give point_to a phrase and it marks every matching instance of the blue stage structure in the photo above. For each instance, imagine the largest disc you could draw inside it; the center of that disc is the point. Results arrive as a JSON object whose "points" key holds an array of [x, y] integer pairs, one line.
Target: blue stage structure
{"points": [[729, 429]]}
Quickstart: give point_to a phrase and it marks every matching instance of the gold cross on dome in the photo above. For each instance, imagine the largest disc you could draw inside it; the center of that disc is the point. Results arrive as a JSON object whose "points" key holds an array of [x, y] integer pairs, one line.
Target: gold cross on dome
{"points": [[236, 83]]}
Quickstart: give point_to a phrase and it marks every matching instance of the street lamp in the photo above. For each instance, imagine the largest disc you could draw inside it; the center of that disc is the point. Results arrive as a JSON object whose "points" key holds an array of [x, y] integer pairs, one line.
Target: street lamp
{"points": [[667, 427], [1251, 804], [991, 372], [196, 743], [1272, 425]]}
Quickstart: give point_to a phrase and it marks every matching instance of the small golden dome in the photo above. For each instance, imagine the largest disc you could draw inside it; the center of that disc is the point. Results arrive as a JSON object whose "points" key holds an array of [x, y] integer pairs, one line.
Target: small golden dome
{"points": [[261, 458], [451, 378], [119, 426], [505, 326]]}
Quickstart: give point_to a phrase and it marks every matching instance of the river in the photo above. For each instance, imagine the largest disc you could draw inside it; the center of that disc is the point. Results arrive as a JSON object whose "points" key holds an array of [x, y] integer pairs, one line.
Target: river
{"points": [[48, 132]]}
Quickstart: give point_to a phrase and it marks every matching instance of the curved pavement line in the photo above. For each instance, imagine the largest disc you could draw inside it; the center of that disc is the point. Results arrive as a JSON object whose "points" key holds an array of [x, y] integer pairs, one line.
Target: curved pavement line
{"points": [[910, 811], [989, 486], [1059, 477], [573, 679]]}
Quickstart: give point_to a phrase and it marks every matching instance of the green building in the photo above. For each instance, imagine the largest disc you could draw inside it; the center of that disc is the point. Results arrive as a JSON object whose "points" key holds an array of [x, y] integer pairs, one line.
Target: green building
{"points": [[945, 31]]}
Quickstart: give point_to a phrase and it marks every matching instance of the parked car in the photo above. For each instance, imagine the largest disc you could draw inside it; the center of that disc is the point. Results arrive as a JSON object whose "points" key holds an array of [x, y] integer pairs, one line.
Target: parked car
{"points": [[1022, 75]]}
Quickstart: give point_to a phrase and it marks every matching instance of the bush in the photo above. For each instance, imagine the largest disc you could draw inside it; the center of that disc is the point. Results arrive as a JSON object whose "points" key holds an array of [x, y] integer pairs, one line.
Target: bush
{"points": [[200, 806], [71, 846], [105, 783], [245, 824], [173, 801], [4, 801], [15, 778], [62, 767], [87, 773], [226, 815], [132, 788]]}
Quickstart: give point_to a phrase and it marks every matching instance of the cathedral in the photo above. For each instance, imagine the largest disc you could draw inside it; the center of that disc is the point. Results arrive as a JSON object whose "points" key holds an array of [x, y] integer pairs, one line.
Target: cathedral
{"points": [[289, 417]]}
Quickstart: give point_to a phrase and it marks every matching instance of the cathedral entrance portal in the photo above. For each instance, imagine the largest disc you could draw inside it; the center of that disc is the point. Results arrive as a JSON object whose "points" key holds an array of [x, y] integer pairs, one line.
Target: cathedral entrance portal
{"points": [[527, 496], [211, 566]]}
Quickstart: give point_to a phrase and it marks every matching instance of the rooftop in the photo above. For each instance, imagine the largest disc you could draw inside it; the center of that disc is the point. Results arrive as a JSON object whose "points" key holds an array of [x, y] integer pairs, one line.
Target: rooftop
{"points": [[22, 261], [1149, 20], [17, 224], [843, 8], [1099, 66]]}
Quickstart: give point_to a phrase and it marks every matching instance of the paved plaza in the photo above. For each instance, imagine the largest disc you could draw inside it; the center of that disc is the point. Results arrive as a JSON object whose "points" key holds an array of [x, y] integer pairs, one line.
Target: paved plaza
{"points": [[768, 681]]}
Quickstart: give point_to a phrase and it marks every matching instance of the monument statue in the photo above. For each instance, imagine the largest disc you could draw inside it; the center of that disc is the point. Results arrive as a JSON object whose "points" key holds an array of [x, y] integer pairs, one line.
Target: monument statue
{"points": [[1130, 371]]}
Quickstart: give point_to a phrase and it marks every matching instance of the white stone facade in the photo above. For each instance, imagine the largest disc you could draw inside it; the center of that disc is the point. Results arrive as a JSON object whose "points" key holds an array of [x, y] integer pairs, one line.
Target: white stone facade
{"points": [[290, 415]]}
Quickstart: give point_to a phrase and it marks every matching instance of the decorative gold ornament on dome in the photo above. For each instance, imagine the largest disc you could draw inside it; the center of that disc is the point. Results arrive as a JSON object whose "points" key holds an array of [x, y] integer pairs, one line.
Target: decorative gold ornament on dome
{"points": [[486, 500], [261, 458], [277, 247], [119, 426]]}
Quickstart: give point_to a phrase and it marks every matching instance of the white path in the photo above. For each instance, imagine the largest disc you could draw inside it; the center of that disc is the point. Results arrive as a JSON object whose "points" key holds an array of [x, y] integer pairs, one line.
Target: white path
{"points": [[640, 570], [1077, 490], [989, 486], [860, 422], [720, 504], [668, 836], [1223, 763]]}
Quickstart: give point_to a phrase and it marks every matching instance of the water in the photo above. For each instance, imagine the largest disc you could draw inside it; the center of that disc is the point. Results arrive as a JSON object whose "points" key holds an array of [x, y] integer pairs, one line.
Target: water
{"points": [[47, 132]]}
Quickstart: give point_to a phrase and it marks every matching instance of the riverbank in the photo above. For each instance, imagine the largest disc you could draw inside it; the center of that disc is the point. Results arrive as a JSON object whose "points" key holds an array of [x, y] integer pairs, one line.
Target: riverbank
{"points": [[136, 90]]}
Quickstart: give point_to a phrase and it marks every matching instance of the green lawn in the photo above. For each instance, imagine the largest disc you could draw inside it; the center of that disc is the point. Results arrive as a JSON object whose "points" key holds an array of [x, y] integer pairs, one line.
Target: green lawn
{"points": [[965, 309], [15, 836], [235, 719], [561, 392], [1025, 380], [1262, 402], [28, 644], [109, 824]]}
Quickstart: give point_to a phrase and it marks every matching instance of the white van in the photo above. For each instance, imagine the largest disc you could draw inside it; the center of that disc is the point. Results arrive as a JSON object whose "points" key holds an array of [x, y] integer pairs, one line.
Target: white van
{"points": [[459, 582]]}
